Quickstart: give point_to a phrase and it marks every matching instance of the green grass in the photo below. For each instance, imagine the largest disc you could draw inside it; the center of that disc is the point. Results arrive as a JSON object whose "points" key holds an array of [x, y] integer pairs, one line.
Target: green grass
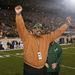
{"points": [[13, 65], [68, 60]]}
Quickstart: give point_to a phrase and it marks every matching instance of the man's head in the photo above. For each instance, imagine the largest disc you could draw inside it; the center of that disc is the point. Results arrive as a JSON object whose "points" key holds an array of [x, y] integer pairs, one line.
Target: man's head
{"points": [[52, 42], [37, 29]]}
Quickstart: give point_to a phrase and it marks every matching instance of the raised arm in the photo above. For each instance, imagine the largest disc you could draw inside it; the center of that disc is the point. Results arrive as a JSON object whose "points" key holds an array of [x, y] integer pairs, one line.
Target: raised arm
{"points": [[20, 23], [57, 33]]}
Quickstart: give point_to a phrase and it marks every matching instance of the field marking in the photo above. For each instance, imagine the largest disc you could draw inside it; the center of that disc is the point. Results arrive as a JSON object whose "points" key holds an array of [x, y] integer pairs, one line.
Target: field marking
{"points": [[21, 49], [1, 56], [6, 55], [68, 48], [19, 53], [12, 49], [68, 67], [10, 55], [69, 54], [18, 56]]}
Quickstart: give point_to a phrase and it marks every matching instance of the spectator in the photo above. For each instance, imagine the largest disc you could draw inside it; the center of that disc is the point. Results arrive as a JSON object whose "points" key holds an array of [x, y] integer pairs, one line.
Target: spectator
{"points": [[54, 59], [8, 45], [20, 44], [15, 44], [1, 46]]}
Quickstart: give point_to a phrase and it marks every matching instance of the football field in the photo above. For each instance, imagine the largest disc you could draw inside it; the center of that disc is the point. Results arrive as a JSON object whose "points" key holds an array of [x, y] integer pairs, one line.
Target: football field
{"points": [[11, 62]]}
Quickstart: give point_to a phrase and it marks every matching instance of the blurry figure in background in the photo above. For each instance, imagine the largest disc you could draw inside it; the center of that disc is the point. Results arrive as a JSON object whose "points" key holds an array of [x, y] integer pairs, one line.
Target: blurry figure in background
{"points": [[8, 45], [67, 40], [20, 44], [61, 41], [54, 59], [11, 45], [15, 44], [1, 46], [71, 40]]}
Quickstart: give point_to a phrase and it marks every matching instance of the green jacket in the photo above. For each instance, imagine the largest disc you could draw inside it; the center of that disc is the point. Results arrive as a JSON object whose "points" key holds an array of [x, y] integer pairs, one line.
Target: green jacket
{"points": [[54, 56]]}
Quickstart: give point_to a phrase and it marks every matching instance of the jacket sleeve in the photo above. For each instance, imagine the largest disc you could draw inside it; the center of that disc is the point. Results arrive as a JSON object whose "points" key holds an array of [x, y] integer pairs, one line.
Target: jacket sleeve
{"points": [[59, 60], [21, 27], [57, 33]]}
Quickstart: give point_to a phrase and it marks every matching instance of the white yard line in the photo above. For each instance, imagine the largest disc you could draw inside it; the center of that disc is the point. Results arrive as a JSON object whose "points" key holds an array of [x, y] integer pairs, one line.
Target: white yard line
{"points": [[68, 67], [1, 56], [69, 54], [68, 48], [9, 55], [18, 56], [12, 49]]}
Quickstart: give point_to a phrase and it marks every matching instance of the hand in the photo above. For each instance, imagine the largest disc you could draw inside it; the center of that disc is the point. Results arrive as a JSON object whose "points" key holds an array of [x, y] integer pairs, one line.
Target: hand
{"points": [[18, 9], [68, 20], [46, 64], [54, 65]]}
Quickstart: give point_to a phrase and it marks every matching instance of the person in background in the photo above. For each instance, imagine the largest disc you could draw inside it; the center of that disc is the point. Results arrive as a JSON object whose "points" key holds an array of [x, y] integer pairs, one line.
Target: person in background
{"points": [[54, 59], [20, 44], [36, 45], [1, 45]]}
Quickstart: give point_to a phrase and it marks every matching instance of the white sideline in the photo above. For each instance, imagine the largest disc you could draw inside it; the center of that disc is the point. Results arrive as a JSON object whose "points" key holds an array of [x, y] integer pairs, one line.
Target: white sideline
{"points": [[68, 67], [68, 47], [9, 55], [22, 48], [12, 49]]}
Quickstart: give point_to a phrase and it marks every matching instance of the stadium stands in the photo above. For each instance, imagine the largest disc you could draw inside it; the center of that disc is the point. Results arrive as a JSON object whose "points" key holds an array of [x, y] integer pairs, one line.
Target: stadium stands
{"points": [[33, 12]]}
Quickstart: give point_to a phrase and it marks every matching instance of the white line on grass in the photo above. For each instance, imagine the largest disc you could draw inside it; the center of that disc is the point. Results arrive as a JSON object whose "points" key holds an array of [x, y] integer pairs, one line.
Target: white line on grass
{"points": [[12, 49], [1, 57], [9, 55], [18, 56], [68, 47], [68, 67]]}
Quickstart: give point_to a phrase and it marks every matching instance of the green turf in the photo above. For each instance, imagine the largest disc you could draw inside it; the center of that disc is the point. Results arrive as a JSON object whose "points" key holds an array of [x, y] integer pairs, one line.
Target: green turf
{"points": [[68, 60], [13, 65]]}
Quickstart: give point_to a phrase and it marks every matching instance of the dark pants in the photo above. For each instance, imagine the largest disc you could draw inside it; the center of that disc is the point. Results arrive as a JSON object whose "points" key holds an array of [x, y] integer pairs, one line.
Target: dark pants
{"points": [[28, 70], [53, 73]]}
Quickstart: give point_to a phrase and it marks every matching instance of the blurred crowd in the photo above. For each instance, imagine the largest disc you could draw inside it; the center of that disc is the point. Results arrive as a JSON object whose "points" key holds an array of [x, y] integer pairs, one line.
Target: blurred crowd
{"points": [[66, 40], [49, 20], [19, 44], [11, 45]]}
